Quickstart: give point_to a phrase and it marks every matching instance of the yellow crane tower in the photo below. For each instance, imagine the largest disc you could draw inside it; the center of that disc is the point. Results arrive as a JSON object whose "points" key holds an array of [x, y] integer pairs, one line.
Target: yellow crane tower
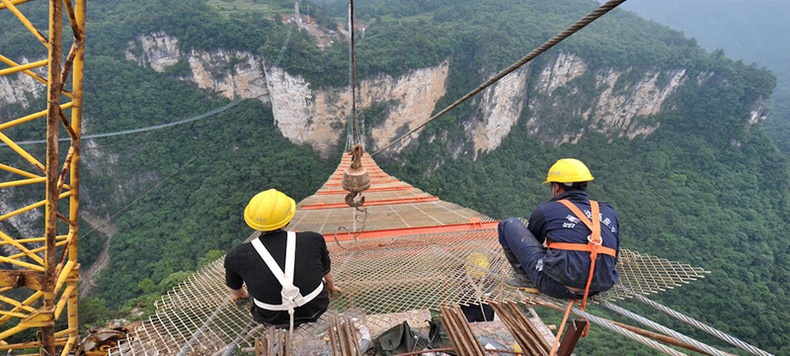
{"points": [[38, 268]]}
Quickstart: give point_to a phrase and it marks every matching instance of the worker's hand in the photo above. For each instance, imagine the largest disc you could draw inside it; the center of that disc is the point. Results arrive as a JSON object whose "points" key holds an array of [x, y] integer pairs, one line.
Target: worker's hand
{"points": [[334, 289], [240, 294]]}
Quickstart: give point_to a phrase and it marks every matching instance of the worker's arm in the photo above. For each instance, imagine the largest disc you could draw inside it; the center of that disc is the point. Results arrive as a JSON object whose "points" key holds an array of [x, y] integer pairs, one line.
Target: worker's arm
{"points": [[326, 262], [240, 293], [537, 224], [233, 280], [330, 284]]}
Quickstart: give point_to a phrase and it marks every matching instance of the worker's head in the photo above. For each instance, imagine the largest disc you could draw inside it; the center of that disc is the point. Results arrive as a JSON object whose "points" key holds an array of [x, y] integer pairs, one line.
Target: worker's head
{"points": [[269, 210], [568, 174]]}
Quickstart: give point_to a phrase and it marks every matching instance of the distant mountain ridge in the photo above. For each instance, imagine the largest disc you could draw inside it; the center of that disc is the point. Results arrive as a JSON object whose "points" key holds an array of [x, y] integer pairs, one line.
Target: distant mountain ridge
{"points": [[751, 31]]}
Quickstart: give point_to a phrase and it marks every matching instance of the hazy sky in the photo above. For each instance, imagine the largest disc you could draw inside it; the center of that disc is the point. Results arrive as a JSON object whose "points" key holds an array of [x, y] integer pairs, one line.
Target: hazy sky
{"points": [[755, 31], [751, 30]]}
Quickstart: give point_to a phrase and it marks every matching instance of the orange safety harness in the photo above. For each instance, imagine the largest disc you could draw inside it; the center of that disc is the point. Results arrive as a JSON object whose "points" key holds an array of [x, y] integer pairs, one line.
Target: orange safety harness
{"points": [[594, 246]]}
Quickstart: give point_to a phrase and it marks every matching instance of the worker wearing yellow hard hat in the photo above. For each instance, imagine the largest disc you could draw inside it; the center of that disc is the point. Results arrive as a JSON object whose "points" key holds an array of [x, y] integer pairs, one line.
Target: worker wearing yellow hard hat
{"points": [[287, 274], [568, 171], [572, 226]]}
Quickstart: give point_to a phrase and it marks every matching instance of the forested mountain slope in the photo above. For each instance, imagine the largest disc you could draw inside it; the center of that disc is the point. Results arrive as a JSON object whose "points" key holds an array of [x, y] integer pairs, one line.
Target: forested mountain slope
{"points": [[669, 131], [751, 32]]}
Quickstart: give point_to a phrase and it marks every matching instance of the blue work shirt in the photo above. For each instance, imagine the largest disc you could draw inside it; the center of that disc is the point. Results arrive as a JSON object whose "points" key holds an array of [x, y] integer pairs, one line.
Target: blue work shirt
{"points": [[556, 222]]}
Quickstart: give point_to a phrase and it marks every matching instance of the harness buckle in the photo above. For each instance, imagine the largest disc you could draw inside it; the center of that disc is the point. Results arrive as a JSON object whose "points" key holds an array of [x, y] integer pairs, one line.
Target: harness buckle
{"points": [[290, 293], [596, 243]]}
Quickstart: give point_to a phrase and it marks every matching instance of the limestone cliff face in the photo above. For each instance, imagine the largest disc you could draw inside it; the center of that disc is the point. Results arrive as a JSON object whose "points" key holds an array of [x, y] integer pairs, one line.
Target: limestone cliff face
{"points": [[303, 114], [615, 112], [16, 88], [561, 101], [319, 117], [562, 106], [156, 50], [500, 107], [233, 74], [412, 99]]}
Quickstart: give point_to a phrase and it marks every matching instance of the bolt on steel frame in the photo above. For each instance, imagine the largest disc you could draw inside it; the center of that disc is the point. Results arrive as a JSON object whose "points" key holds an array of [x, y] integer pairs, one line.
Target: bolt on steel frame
{"points": [[39, 273]]}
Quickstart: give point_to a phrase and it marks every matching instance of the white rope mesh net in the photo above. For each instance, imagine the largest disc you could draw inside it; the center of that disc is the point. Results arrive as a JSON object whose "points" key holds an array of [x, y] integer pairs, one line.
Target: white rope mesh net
{"points": [[412, 256]]}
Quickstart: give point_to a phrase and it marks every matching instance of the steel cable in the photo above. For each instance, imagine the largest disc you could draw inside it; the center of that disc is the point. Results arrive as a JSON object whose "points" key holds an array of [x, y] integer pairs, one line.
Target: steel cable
{"points": [[352, 74], [149, 128], [647, 322], [597, 13], [629, 334], [699, 325], [285, 44]]}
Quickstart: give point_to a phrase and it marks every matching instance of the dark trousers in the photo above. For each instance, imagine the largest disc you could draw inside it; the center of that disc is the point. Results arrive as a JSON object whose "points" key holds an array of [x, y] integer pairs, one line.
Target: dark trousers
{"points": [[478, 312], [513, 235]]}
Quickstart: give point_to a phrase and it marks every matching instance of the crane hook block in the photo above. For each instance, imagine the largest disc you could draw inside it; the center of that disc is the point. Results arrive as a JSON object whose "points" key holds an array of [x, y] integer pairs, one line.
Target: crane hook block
{"points": [[356, 178]]}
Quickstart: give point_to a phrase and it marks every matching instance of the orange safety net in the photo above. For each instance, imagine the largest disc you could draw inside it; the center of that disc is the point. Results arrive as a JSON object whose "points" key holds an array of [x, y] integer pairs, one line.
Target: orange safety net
{"points": [[394, 261]]}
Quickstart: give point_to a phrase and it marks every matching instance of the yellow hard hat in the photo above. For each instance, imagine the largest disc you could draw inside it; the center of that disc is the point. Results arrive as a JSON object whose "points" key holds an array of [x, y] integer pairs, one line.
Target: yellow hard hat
{"points": [[477, 264], [269, 210], [568, 170]]}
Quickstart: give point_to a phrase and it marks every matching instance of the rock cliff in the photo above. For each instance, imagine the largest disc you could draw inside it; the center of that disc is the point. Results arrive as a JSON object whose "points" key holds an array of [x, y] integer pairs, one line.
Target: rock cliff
{"points": [[234, 74], [303, 114], [560, 106], [27, 223], [563, 105], [560, 101], [18, 88]]}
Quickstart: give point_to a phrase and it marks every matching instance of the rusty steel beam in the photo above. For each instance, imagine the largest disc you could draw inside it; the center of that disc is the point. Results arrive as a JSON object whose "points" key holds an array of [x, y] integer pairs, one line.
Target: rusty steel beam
{"points": [[524, 332], [55, 44], [19, 279], [568, 343], [276, 343], [51, 276], [460, 333], [342, 337]]}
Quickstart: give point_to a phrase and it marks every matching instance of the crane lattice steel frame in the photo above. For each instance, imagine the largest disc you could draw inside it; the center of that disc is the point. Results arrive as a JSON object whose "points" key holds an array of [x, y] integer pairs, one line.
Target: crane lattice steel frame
{"points": [[39, 276]]}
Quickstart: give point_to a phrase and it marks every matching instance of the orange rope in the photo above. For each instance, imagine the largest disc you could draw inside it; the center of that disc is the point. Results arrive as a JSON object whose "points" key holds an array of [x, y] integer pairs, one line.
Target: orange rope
{"points": [[562, 327]]}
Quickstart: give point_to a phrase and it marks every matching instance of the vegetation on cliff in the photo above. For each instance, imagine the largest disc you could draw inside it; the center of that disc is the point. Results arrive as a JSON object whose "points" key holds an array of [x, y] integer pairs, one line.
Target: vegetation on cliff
{"points": [[743, 32]]}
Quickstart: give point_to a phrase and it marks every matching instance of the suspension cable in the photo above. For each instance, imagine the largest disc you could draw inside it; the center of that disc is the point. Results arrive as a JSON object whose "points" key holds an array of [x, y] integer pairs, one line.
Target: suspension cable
{"points": [[663, 329], [162, 181], [352, 75], [285, 43], [149, 128], [607, 324], [699, 325], [597, 13]]}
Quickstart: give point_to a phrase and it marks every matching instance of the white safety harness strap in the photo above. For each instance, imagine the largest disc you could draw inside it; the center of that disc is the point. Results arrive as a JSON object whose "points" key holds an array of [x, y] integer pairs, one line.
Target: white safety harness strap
{"points": [[291, 297], [282, 307]]}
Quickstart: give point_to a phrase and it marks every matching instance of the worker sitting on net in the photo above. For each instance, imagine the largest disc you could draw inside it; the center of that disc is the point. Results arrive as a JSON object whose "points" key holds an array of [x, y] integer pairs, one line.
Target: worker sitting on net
{"points": [[288, 274], [572, 226]]}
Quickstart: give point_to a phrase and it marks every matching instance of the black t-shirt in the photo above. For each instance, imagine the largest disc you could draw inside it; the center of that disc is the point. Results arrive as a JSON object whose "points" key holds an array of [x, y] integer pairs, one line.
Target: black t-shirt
{"points": [[243, 264]]}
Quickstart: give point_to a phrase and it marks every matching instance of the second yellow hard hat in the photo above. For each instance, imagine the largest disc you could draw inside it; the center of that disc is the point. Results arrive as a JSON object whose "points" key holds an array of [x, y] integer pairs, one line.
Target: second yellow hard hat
{"points": [[269, 210], [568, 170]]}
